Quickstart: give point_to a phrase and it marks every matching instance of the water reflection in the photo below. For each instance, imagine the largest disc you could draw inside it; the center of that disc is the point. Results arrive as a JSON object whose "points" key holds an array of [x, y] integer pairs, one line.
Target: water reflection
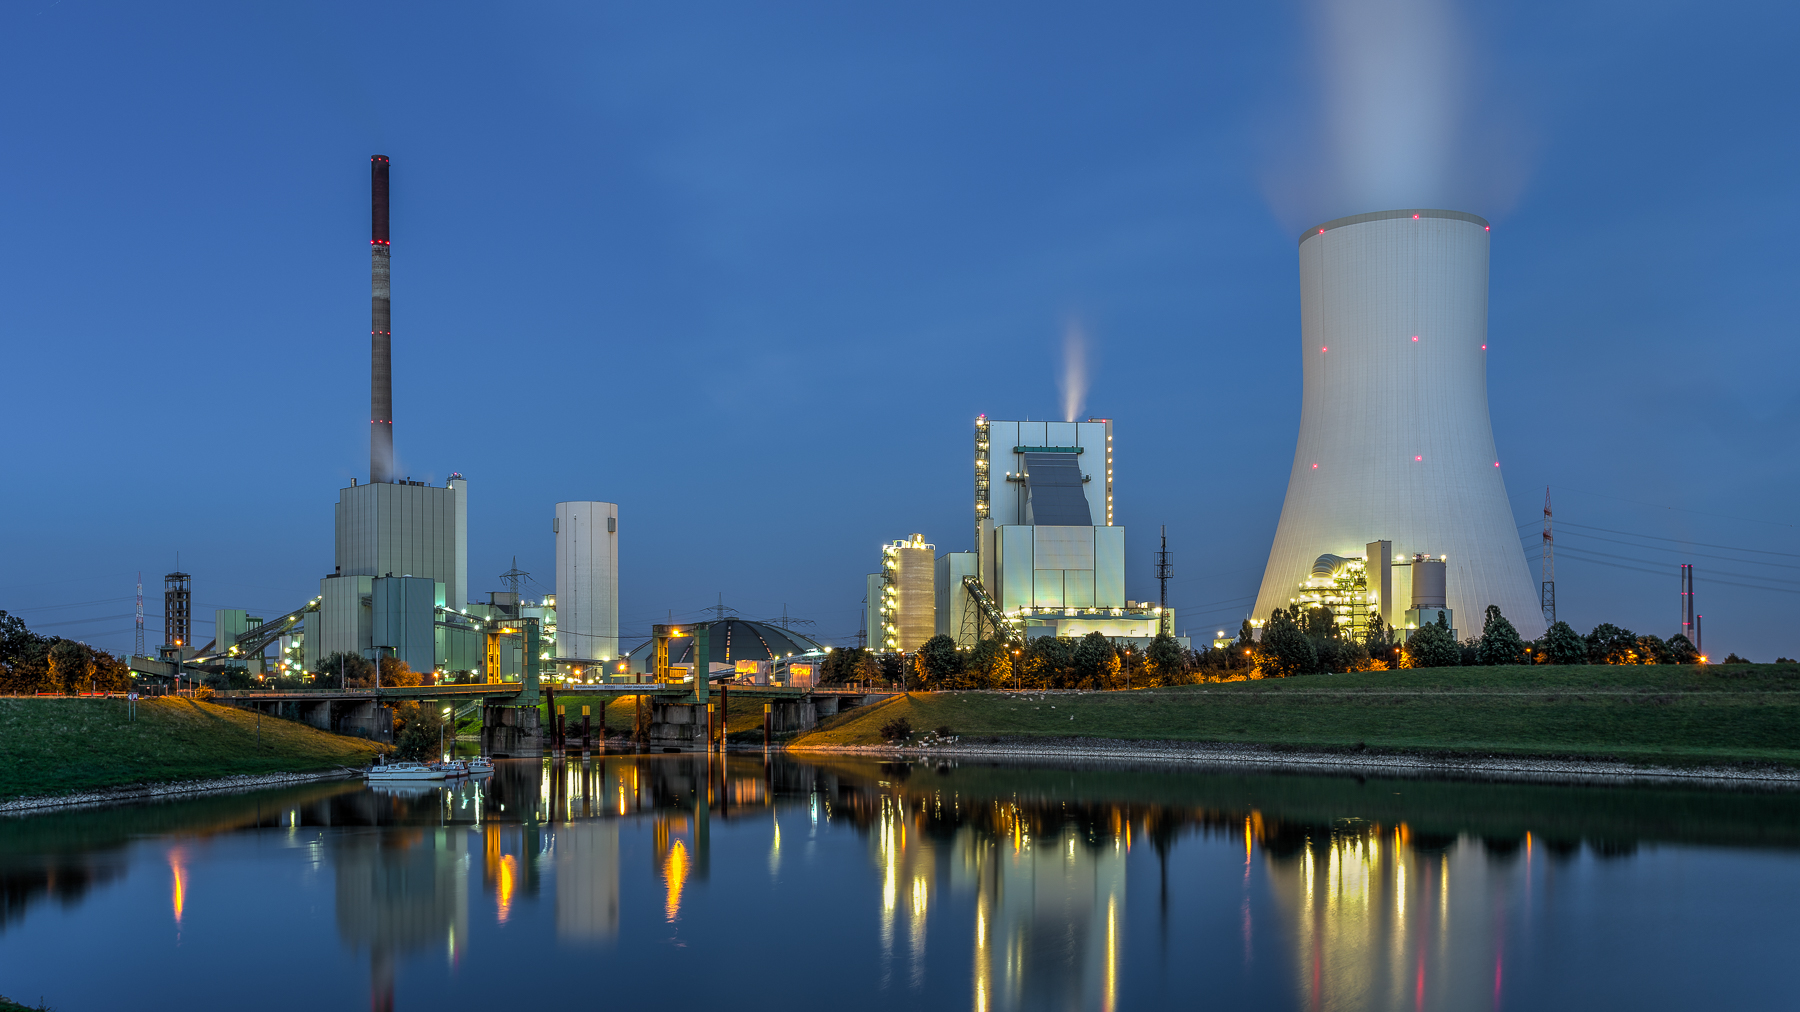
{"points": [[1002, 887]]}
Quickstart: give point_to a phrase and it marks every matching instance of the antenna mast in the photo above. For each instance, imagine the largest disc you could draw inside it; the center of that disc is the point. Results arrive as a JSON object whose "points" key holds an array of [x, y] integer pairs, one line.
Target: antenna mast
{"points": [[1548, 591], [1164, 570]]}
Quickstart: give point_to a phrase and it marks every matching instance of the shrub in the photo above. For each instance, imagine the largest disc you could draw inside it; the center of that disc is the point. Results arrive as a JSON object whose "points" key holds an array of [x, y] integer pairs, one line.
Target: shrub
{"points": [[897, 729], [944, 731], [1735, 659]]}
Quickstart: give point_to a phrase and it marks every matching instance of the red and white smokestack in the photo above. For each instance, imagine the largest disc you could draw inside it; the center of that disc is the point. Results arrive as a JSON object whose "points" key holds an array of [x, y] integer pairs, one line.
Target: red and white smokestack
{"points": [[381, 366]]}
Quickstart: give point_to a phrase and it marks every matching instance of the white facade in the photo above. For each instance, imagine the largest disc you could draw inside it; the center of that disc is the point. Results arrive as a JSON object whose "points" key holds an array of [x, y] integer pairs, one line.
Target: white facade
{"points": [[587, 580], [1395, 442], [406, 529], [956, 611]]}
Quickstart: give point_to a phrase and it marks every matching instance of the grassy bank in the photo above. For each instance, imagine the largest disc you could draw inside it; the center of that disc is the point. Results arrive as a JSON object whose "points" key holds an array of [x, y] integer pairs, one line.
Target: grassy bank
{"points": [[1668, 714], [57, 745]]}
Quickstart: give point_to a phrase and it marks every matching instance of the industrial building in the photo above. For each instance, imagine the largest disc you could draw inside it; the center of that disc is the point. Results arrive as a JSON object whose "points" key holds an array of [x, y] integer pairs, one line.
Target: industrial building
{"points": [[1048, 559], [1396, 505]]}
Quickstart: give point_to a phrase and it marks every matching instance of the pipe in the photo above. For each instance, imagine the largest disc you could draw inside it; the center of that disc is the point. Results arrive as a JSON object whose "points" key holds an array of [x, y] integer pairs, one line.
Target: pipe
{"points": [[381, 364]]}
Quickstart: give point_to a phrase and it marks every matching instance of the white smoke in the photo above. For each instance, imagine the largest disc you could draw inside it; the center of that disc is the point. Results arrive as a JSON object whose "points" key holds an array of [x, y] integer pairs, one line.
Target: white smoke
{"points": [[1401, 119], [1393, 97], [1074, 379]]}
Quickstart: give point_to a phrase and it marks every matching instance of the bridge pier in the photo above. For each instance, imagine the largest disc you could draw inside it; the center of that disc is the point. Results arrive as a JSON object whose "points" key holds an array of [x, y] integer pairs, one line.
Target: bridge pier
{"points": [[677, 723], [366, 718], [511, 732]]}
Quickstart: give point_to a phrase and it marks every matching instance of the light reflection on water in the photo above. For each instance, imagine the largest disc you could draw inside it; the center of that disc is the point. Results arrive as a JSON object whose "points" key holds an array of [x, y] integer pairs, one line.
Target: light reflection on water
{"points": [[997, 887]]}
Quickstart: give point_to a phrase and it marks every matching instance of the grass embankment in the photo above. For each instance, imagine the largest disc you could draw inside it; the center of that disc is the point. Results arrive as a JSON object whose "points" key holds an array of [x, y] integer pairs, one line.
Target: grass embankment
{"points": [[1663, 714], [59, 746]]}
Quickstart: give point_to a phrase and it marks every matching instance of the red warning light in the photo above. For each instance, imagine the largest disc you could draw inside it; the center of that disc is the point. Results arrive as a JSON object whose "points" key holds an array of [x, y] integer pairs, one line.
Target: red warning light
{"points": [[1324, 349], [1484, 347], [1321, 231], [1315, 467], [1496, 463], [1415, 338], [1415, 217], [1418, 458]]}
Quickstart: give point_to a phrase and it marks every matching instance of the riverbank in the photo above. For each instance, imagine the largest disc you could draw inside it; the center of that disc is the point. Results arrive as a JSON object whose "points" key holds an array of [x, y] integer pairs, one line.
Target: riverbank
{"points": [[54, 747], [147, 792], [1717, 716]]}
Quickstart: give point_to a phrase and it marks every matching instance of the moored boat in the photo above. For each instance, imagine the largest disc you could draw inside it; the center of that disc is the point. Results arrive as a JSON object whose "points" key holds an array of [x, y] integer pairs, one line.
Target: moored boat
{"points": [[480, 764], [452, 768], [389, 772]]}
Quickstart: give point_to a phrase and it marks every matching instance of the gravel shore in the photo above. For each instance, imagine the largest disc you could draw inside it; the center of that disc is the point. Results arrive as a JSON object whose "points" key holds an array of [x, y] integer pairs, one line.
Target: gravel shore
{"points": [[1265, 758], [141, 792]]}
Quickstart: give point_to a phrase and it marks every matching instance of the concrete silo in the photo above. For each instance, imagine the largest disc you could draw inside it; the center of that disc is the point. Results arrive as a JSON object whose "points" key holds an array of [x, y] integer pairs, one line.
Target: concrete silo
{"points": [[587, 580], [1395, 444]]}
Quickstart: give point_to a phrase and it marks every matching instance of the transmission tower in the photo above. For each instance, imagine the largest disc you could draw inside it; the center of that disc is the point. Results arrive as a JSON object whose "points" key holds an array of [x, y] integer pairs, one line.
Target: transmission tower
{"points": [[1164, 571], [138, 648], [1548, 591], [514, 577]]}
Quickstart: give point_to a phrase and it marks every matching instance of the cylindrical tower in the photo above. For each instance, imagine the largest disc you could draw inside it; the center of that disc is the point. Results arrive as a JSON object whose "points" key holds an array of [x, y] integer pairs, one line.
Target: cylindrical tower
{"points": [[381, 364], [1395, 443], [587, 580]]}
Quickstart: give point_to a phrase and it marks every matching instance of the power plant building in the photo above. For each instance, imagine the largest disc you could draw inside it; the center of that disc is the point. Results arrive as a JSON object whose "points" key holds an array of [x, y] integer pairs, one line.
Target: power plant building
{"points": [[587, 581], [1395, 471]]}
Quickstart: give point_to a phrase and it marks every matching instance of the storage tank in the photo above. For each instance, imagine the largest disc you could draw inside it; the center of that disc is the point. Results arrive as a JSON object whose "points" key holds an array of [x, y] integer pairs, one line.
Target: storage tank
{"points": [[1395, 443]]}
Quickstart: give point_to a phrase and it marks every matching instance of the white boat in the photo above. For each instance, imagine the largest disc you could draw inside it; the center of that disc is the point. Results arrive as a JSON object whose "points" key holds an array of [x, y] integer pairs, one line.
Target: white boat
{"points": [[452, 768], [481, 764], [390, 772]]}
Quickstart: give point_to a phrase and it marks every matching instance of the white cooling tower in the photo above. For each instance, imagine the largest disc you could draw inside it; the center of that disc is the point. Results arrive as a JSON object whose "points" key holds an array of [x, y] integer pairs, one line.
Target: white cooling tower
{"points": [[1395, 443], [587, 580]]}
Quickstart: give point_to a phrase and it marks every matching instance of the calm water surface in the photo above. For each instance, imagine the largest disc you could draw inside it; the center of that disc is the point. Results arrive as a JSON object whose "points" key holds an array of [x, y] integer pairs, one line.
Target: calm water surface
{"points": [[858, 884]]}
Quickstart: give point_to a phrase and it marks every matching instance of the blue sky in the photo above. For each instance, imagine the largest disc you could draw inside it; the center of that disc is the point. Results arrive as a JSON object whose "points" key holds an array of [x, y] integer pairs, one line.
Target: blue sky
{"points": [[750, 271]]}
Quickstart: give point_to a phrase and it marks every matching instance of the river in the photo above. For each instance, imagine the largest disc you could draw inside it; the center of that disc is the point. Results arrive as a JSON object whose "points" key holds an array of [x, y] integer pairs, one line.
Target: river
{"points": [[855, 883]]}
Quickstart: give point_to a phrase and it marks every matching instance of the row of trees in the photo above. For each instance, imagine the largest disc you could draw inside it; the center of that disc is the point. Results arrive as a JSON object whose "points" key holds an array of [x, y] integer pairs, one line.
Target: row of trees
{"points": [[32, 663], [1297, 641], [1092, 662]]}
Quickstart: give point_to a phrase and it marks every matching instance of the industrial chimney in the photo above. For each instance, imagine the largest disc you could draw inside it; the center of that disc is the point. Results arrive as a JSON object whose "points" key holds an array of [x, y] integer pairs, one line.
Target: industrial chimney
{"points": [[1395, 442], [381, 364]]}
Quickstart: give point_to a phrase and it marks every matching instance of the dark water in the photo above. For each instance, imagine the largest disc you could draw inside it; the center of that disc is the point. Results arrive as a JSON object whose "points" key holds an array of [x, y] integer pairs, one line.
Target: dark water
{"points": [[652, 881]]}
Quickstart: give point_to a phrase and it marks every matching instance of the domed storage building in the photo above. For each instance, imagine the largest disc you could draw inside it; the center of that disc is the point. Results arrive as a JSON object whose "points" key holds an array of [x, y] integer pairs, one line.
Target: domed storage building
{"points": [[728, 641]]}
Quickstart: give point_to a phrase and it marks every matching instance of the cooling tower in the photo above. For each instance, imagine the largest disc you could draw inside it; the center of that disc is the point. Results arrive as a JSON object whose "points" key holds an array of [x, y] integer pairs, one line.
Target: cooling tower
{"points": [[1395, 443]]}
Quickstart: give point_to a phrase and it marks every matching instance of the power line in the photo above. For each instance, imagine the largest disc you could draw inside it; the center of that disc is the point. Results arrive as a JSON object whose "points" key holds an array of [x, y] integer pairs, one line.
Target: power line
{"points": [[1677, 509], [1653, 562], [1677, 551], [1698, 575], [1684, 541]]}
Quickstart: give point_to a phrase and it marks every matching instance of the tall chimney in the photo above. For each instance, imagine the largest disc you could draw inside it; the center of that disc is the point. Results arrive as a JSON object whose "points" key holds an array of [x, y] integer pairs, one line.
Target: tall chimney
{"points": [[381, 364]]}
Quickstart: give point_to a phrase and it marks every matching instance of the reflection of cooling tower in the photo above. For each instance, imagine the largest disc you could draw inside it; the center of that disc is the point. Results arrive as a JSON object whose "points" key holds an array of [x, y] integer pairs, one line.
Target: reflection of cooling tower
{"points": [[1395, 442]]}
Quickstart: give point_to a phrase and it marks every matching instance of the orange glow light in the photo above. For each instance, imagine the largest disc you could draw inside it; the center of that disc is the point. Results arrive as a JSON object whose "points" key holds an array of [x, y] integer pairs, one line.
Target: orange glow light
{"points": [[675, 872], [179, 869], [507, 877]]}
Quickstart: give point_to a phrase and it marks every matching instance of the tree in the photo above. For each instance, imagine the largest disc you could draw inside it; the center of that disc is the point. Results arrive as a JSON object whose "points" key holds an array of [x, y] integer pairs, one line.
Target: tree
{"points": [[420, 730], [1681, 649], [1563, 645], [1432, 646], [395, 674], [843, 666], [1046, 664], [893, 668], [1500, 642], [989, 666], [1609, 644], [938, 663], [70, 666], [356, 670], [1652, 650], [1286, 650], [1096, 662], [1166, 659]]}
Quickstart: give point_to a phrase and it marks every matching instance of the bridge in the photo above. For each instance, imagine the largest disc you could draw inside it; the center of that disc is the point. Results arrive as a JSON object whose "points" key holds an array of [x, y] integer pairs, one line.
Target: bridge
{"points": [[671, 716]]}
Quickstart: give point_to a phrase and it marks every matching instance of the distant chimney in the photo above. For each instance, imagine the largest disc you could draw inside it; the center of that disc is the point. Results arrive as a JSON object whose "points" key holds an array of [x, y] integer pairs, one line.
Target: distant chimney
{"points": [[381, 364]]}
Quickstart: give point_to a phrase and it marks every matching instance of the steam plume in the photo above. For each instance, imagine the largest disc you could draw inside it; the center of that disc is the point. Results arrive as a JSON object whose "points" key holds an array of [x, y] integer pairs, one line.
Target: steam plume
{"points": [[1404, 116], [1074, 380], [1393, 98]]}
